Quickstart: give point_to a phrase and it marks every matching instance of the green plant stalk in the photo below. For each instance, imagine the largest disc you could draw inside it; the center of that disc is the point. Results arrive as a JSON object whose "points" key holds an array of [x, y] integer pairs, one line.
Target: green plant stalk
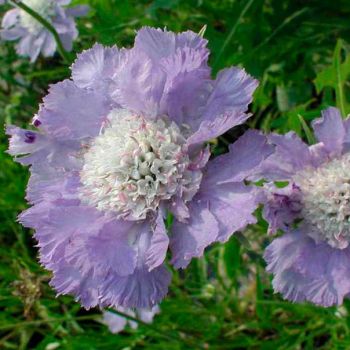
{"points": [[232, 32], [339, 92], [167, 335], [47, 25]]}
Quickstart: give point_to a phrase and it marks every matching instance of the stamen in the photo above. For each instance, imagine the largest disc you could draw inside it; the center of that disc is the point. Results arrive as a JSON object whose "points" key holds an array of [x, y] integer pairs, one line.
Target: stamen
{"points": [[326, 201], [134, 164]]}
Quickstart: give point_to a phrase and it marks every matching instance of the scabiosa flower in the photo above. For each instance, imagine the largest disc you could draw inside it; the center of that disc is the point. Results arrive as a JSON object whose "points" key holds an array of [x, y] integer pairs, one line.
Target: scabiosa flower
{"points": [[117, 323], [311, 261], [121, 147], [33, 36]]}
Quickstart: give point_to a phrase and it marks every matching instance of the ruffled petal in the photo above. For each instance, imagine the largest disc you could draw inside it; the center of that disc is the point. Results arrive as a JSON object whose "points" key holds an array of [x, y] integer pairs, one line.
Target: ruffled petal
{"points": [[94, 258], [188, 240], [158, 44], [139, 84], [291, 154], [156, 253], [230, 95], [69, 112], [181, 104], [107, 250], [94, 68], [142, 288], [41, 152], [245, 155], [210, 129], [330, 130], [69, 280], [282, 206], [232, 91], [233, 206], [306, 271], [61, 225]]}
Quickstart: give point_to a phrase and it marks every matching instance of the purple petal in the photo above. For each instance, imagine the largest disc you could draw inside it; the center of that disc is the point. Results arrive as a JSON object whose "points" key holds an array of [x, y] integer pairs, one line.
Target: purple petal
{"points": [[142, 288], [10, 18], [49, 46], [232, 91], [156, 253], [139, 84], [60, 227], [282, 206], [181, 104], [68, 280], [233, 205], [213, 128], [69, 112], [245, 155], [43, 153], [330, 130], [78, 11], [188, 240], [304, 270], [291, 154], [107, 250], [155, 42], [93, 68], [158, 44], [115, 322]]}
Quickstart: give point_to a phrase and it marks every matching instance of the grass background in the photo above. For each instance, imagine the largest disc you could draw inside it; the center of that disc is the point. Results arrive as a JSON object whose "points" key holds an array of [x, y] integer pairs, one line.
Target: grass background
{"points": [[298, 50]]}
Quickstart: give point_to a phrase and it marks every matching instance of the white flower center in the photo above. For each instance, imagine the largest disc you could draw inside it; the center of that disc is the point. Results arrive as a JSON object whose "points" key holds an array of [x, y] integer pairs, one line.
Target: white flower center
{"points": [[326, 201], [45, 8], [134, 164]]}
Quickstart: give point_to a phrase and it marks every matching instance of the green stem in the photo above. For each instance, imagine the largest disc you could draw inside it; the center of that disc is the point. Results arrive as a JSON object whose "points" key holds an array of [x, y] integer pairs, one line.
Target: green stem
{"points": [[46, 24], [40, 322], [153, 328], [232, 32]]}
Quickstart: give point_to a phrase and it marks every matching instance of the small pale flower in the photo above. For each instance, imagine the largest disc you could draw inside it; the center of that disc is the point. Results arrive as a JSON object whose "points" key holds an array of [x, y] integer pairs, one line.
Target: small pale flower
{"points": [[117, 323], [311, 261], [33, 37], [120, 148]]}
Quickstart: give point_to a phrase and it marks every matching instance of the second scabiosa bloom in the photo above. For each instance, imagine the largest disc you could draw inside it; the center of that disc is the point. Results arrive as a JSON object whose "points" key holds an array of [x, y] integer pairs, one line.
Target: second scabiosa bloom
{"points": [[311, 261], [119, 150], [33, 38]]}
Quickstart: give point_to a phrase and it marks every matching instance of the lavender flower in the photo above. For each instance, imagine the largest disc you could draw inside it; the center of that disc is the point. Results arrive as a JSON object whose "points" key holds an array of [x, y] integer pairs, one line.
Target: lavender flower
{"points": [[33, 36], [117, 323], [121, 147], [311, 261]]}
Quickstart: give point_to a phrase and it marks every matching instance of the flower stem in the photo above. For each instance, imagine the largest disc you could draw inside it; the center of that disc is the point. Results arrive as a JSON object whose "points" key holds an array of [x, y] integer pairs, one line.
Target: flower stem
{"points": [[169, 336], [64, 54]]}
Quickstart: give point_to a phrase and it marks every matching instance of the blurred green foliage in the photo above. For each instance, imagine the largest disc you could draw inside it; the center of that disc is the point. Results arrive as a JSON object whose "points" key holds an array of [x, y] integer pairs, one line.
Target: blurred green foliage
{"points": [[298, 50]]}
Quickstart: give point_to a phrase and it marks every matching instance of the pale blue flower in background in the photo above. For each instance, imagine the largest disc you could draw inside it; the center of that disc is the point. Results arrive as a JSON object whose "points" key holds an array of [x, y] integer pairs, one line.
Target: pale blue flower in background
{"points": [[33, 38], [117, 323]]}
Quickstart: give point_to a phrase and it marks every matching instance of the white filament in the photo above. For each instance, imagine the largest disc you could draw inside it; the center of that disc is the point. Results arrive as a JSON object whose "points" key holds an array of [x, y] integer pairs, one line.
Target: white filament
{"points": [[326, 201], [136, 163]]}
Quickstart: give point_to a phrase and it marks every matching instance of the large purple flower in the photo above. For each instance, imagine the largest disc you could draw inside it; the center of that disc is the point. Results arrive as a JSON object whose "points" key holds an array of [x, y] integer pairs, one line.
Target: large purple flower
{"points": [[121, 147], [33, 37], [311, 261]]}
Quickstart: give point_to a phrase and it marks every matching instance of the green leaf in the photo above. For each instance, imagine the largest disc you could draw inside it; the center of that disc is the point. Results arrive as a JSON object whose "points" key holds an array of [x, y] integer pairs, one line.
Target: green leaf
{"points": [[335, 77]]}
